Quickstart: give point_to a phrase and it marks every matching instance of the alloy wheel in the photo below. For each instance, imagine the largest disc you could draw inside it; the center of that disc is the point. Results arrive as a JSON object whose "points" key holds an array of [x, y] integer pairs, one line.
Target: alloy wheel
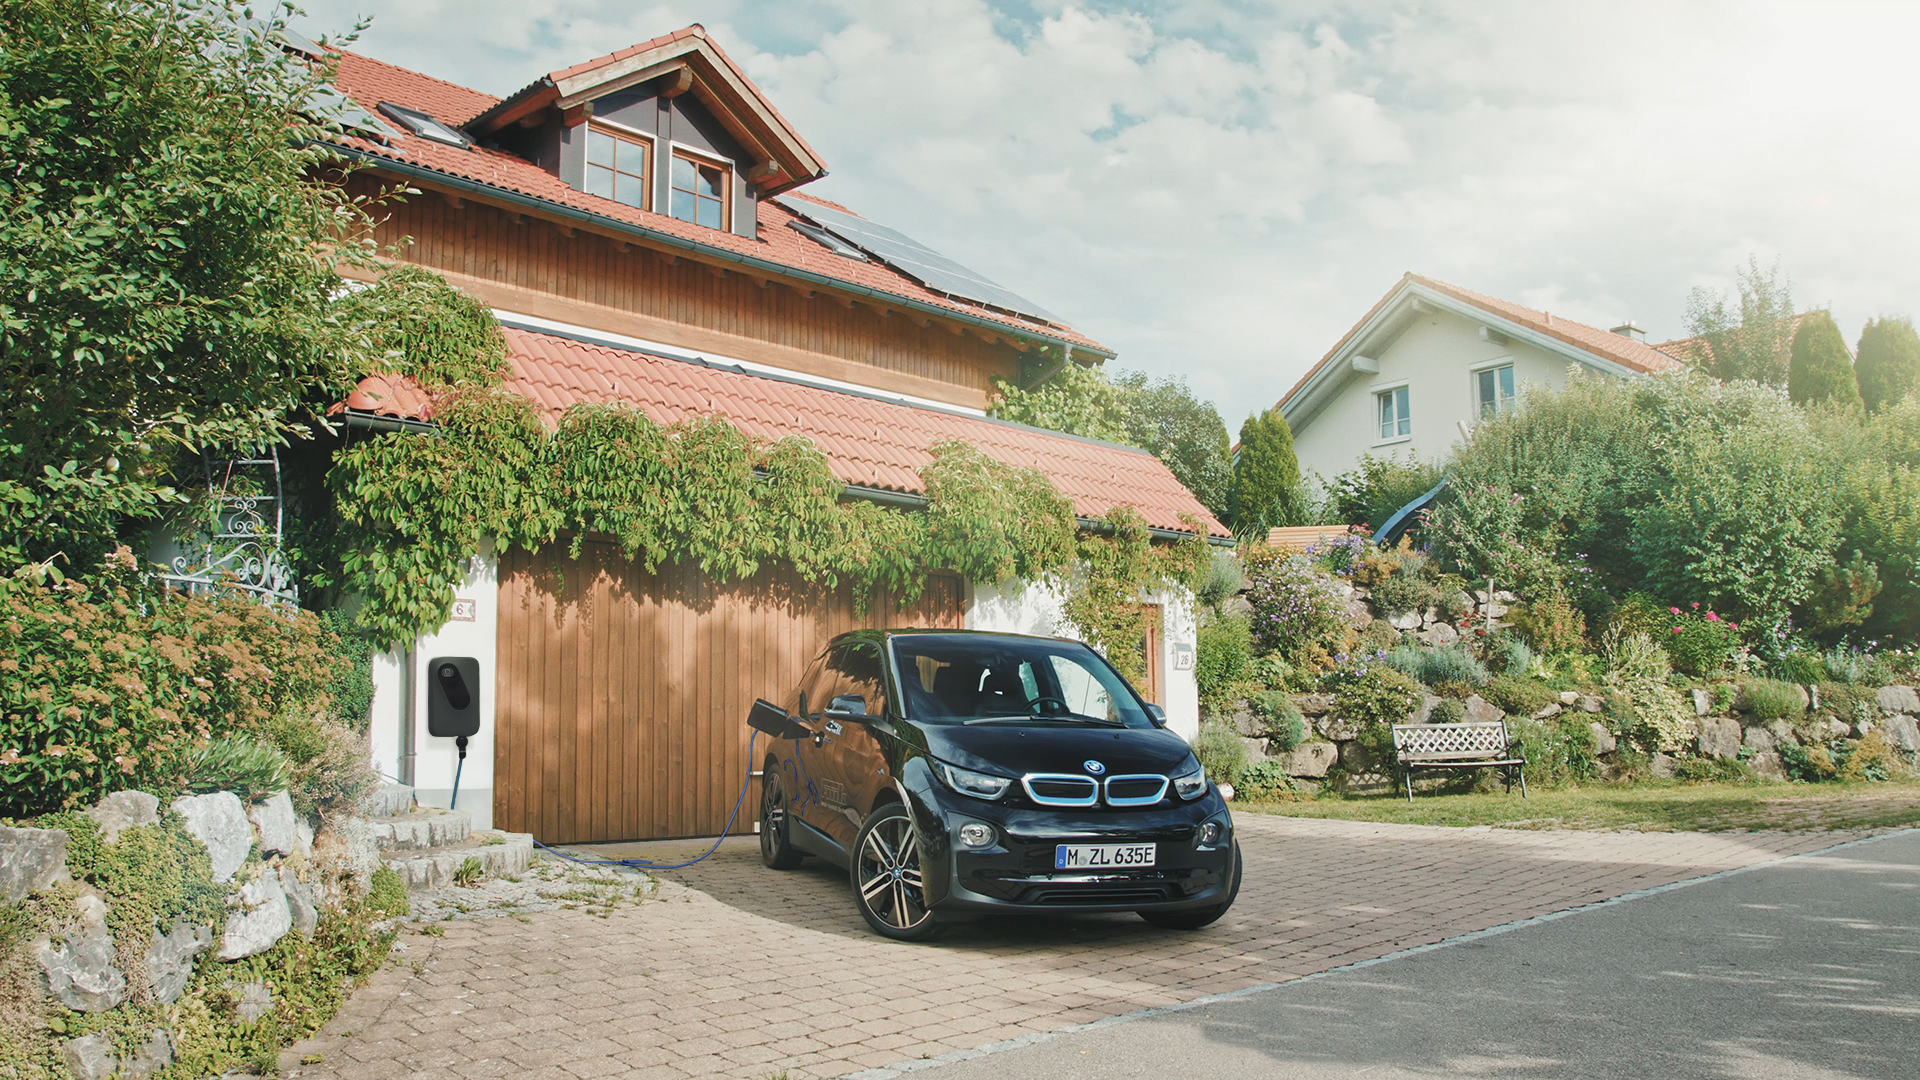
{"points": [[888, 875]]}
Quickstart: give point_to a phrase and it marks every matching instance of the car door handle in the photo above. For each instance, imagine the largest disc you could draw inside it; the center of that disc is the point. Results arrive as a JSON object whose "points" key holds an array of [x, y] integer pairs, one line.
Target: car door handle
{"points": [[834, 728]]}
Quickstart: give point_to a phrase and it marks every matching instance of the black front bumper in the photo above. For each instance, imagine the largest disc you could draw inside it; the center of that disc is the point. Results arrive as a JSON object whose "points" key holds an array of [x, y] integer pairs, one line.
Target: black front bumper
{"points": [[1017, 871]]}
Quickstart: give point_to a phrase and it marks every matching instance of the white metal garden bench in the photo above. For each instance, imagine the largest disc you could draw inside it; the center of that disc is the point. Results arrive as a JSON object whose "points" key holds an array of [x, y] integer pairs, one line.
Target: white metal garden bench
{"points": [[1458, 746]]}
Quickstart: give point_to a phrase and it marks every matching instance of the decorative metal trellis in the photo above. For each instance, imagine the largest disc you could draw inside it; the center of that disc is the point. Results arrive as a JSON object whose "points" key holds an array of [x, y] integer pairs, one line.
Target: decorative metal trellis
{"points": [[242, 545]]}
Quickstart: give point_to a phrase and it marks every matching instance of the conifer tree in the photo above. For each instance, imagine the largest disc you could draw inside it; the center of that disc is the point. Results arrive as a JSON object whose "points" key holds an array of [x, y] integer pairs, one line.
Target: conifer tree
{"points": [[1266, 477], [1888, 365], [1820, 369]]}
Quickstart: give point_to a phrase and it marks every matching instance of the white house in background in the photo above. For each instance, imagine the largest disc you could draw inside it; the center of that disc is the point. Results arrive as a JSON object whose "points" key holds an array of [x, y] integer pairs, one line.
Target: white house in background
{"points": [[1430, 360]]}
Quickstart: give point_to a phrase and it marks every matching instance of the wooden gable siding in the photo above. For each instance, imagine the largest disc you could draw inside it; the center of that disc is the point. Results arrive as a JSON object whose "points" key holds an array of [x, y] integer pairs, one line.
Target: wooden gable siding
{"points": [[621, 696], [514, 262]]}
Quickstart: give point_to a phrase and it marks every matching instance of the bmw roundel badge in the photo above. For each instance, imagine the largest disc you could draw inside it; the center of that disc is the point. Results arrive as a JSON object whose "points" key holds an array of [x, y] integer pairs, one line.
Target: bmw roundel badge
{"points": [[1093, 767]]}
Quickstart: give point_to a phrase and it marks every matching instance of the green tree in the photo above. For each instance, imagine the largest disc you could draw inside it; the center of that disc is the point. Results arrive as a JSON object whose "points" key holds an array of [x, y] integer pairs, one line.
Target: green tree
{"points": [[1820, 369], [166, 258], [1077, 400], [1888, 362], [1162, 418], [1266, 477], [1184, 432], [1749, 338]]}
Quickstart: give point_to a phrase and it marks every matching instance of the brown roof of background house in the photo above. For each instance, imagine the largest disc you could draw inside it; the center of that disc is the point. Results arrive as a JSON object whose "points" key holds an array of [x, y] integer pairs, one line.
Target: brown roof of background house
{"points": [[369, 82], [1697, 351], [868, 441]]}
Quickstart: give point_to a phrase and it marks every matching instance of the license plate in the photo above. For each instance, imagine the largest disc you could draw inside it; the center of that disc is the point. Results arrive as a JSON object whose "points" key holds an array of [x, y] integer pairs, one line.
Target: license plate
{"points": [[1101, 856]]}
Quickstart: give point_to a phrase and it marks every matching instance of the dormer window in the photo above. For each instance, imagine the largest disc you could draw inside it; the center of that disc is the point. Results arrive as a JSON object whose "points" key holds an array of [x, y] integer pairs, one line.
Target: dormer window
{"points": [[700, 190], [618, 165]]}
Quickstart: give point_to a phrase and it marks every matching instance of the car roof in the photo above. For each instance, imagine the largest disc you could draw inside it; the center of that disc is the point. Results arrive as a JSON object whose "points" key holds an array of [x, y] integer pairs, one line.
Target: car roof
{"points": [[880, 636]]}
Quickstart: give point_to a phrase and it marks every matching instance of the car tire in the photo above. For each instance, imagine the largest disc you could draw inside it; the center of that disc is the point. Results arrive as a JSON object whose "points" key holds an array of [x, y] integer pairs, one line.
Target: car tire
{"points": [[1194, 920], [886, 875], [776, 846]]}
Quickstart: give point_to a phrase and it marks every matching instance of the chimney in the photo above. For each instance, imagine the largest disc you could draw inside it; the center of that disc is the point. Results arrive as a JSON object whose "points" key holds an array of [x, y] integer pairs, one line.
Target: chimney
{"points": [[1629, 330]]}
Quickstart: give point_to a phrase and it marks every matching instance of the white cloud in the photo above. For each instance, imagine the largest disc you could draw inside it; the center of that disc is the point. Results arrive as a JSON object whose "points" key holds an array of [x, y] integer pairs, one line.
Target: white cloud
{"points": [[1220, 192]]}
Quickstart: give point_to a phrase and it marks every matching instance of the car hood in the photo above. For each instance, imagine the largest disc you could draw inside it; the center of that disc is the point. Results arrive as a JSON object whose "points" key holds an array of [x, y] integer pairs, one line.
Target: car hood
{"points": [[1017, 749]]}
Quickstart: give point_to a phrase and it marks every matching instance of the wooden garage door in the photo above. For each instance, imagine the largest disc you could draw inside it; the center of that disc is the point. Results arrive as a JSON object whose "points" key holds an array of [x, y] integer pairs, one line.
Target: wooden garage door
{"points": [[621, 696]]}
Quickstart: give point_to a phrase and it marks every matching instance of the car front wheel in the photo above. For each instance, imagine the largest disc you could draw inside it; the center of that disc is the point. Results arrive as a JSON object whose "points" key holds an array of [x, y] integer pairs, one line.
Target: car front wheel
{"points": [[887, 881]]}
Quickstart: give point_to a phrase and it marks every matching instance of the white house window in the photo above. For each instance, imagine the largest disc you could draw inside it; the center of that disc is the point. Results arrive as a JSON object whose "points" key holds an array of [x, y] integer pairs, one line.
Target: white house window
{"points": [[617, 167], [1395, 419], [1496, 390], [699, 192]]}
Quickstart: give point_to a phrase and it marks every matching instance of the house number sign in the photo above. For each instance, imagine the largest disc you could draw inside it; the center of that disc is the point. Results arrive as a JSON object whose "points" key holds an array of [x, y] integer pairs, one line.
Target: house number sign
{"points": [[1182, 656], [464, 609]]}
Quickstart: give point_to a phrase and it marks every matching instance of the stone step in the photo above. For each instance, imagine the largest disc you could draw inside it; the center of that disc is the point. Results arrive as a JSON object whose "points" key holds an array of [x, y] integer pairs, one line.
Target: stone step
{"points": [[387, 801], [422, 830], [501, 854]]}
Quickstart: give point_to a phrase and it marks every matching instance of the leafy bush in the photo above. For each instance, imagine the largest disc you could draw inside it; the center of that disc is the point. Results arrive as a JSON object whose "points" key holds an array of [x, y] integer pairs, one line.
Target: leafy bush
{"points": [[1286, 728], [1404, 591], [1298, 609], [1378, 635], [1870, 758], [387, 892], [1263, 781], [1856, 666], [1633, 655], [1221, 581], [1377, 488], [251, 770], [1771, 699], [1653, 713], [1447, 711], [327, 763], [1557, 751], [1509, 654], [113, 684], [1222, 661], [1519, 696], [351, 688], [1550, 621], [1698, 641], [1372, 693], [1220, 751], [1435, 665]]}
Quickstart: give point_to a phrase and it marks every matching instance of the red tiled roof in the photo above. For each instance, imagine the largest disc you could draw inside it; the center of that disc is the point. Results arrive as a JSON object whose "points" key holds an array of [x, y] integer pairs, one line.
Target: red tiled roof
{"points": [[869, 442], [1635, 355], [1698, 350], [370, 82]]}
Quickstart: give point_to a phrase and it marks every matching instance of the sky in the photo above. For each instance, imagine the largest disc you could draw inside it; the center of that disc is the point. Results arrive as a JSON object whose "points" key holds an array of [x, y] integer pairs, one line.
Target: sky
{"points": [[1218, 190]]}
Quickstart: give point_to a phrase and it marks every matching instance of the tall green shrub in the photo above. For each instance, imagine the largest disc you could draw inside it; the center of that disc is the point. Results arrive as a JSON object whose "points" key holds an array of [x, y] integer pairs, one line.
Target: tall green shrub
{"points": [[1887, 362], [1820, 369], [1266, 477], [1748, 338], [167, 258], [1223, 659]]}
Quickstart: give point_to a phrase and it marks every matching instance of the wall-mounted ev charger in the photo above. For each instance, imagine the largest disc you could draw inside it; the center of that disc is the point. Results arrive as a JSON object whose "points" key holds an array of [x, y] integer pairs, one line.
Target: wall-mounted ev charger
{"points": [[453, 706]]}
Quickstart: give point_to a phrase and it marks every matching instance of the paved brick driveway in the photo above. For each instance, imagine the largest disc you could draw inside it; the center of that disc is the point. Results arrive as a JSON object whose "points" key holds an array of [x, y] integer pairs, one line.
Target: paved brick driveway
{"points": [[739, 971]]}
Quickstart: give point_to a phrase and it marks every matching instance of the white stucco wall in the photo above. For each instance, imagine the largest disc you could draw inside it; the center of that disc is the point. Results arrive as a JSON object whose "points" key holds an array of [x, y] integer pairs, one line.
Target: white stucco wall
{"points": [[435, 759], [1437, 358], [1038, 609]]}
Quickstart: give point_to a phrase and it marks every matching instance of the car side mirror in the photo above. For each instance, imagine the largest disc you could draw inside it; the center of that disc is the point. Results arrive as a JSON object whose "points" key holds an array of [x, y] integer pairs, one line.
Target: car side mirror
{"points": [[1156, 714], [849, 705]]}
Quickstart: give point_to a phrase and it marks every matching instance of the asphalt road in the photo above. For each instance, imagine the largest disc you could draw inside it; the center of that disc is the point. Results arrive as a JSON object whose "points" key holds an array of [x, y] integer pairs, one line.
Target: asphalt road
{"points": [[1804, 970]]}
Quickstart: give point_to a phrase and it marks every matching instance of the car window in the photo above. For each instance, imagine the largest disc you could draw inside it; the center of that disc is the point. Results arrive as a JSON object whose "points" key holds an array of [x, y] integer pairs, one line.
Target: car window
{"points": [[858, 671], [815, 688], [956, 678], [1081, 689]]}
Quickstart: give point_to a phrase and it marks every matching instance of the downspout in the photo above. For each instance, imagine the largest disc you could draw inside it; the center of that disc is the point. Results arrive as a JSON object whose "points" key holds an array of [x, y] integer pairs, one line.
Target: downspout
{"points": [[406, 717]]}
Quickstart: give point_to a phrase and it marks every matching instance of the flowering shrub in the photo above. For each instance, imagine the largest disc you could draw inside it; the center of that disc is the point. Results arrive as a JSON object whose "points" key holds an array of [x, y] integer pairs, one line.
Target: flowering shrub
{"points": [[1297, 607], [115, 684], [1698, 640], [1370, 691]]}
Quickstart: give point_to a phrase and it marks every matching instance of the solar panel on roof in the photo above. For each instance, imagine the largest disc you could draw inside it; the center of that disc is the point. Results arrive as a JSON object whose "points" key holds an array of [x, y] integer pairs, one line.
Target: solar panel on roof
{"points": [[914, 259]]}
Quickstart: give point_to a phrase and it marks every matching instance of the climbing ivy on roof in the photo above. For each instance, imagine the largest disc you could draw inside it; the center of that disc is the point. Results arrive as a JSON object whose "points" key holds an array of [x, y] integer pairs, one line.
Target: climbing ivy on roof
{"points": [[415, 506]]}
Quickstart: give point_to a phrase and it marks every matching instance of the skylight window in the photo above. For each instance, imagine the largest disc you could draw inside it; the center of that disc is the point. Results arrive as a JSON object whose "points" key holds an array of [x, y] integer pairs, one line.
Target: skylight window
{"points": [[827, 240], [423, 125]]}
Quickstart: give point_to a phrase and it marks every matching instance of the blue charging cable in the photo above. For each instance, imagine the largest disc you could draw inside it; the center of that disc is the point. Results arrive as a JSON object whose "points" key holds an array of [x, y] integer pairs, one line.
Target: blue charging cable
{"points": [[643, 864]]}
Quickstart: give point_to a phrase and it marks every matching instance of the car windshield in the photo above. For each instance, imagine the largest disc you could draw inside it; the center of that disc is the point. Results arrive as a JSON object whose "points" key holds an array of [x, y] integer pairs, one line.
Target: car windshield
{"points": [[968, 679]]}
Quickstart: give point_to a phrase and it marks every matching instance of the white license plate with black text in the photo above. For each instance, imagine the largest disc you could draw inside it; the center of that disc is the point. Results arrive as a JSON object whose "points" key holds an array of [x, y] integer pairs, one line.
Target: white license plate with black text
{"points": [[1101, 856]]}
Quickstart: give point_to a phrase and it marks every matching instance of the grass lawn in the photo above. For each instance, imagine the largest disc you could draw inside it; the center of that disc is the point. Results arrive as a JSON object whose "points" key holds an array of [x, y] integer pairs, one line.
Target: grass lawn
{"points": [[1649, 808]]}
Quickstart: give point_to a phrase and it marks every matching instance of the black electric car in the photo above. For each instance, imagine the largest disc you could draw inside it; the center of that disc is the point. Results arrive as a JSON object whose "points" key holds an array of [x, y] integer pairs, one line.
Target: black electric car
{"points": [[955, 772]]}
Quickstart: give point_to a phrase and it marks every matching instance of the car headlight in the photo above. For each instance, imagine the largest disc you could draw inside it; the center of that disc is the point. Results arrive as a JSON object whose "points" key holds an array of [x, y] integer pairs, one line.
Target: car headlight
{"points": [[977, 784], [1192, 785]]}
